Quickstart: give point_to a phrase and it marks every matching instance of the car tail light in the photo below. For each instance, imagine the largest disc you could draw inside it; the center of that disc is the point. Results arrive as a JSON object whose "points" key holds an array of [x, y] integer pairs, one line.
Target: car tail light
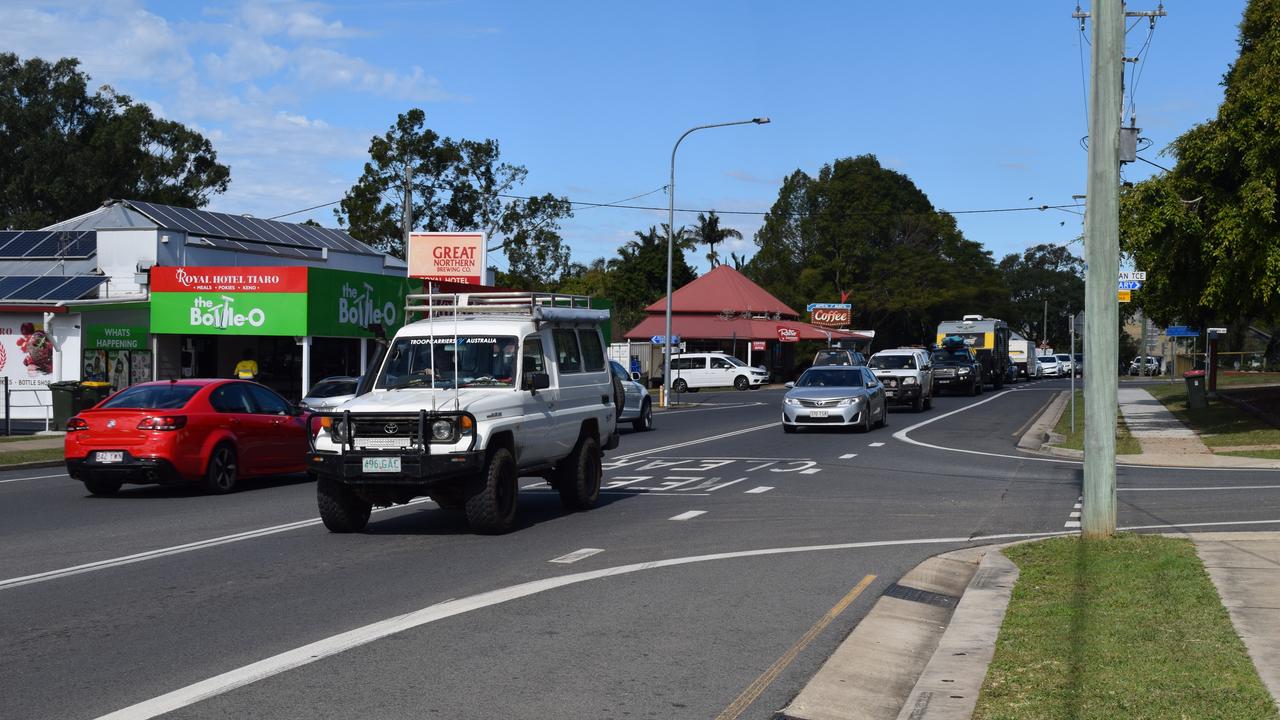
{"points": [[163, 422], [76, 424]]}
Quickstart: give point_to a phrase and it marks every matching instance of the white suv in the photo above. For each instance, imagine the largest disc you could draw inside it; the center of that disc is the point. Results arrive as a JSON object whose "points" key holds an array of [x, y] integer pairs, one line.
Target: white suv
{"points": [[691, 371], [489, 388], [907, 376]]}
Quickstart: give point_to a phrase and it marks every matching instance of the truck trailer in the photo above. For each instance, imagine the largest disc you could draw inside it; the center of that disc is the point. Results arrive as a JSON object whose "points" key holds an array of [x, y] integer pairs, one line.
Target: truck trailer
{"points": [[989, 340]]}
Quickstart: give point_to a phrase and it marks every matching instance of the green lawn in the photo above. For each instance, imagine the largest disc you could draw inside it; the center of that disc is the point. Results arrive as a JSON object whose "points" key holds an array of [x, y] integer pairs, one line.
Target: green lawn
{"points": [[1125, 628], [1259, 378], [24, 456], [1219, 425], [1126, 444], [1264, 454]]}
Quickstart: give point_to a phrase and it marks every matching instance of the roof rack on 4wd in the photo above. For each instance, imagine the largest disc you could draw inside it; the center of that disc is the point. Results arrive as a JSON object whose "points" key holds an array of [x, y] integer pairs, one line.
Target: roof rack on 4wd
{"points": [[536, 305]]}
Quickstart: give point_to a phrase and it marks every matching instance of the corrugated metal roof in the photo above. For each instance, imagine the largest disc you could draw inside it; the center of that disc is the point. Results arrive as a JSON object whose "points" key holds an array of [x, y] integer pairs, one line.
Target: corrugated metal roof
{"points": [[720, 290]]}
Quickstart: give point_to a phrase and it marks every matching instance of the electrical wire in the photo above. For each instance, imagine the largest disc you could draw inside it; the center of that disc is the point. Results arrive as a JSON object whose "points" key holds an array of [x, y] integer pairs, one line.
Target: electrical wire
{"points": [[1151, 163], [1084, 81]]}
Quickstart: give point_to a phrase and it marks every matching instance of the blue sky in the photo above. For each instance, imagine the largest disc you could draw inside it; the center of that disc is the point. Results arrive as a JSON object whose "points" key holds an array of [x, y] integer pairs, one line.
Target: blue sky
{"points": [[981, 105]]}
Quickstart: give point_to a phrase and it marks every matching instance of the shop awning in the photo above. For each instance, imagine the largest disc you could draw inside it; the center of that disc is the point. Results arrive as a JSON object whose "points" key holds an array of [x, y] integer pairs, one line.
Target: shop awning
{"points": [[713, 327]]}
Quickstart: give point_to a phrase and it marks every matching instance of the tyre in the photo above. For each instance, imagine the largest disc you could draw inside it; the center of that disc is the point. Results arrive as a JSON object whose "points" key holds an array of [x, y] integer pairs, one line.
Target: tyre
{"points": [[619, 395], [579, 481], [644, 423], [102, 488], [679, 386], [917, 405], [493, 508], [741, 382], [928, 403], [341, 509], [789, 429], [884, 415], [977, 388], [222, 472], [865, 425]]}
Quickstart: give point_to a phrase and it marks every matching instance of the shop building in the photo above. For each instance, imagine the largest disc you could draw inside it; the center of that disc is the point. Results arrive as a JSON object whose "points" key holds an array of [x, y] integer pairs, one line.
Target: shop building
{"points": [[134, 291]]}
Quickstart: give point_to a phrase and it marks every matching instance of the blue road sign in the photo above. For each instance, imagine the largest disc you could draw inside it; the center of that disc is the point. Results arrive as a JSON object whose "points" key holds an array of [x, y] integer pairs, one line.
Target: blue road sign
{"points": [[828, 306], [1181, 331], [662, 339], [1130, 285]]}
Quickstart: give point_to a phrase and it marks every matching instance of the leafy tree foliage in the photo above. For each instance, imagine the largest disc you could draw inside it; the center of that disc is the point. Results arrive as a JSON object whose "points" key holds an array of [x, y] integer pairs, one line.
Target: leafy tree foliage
{"points": [[456, 185], [1043, 273], [709, 232], [862, 229], [64, 150], [1206, 232]]}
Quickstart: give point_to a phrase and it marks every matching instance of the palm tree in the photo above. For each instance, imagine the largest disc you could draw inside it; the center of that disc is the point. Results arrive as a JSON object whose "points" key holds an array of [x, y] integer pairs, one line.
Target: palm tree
{"points": [[709, 233]]}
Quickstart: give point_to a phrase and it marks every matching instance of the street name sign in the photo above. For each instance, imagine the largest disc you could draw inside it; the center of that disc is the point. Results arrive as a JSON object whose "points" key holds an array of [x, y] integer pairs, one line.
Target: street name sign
{"points": [[1139, 275], [1130, 285], [1181, 331], [662, 339]]}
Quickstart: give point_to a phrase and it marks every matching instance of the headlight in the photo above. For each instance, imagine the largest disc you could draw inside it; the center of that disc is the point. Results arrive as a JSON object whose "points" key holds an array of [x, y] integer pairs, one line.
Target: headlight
{"points": [[908, 381], [846, 402], [338, 430], [791, 401], [441, 430], [964, 371]]}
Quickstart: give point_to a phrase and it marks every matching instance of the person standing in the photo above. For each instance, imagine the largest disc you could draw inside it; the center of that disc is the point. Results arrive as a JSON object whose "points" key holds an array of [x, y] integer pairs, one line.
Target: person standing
{"points": [[247, 368]]}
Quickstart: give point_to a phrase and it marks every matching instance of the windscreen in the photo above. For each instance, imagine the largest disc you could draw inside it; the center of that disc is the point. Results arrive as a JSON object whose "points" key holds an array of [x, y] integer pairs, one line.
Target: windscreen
{"points": [[735, 361], [960, 355], [892, 362], [814, 377], [481, 361], [153, 397], [333, 388]]}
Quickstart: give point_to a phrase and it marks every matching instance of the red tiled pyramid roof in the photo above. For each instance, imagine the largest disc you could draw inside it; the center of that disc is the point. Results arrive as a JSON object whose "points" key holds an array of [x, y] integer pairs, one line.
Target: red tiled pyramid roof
{"points": [[722, 289]]}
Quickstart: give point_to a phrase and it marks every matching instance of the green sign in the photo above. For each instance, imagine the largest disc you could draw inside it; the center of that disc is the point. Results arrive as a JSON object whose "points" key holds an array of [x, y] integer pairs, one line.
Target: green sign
{"points": [[345, 304], [115, 337], [214, 313]]}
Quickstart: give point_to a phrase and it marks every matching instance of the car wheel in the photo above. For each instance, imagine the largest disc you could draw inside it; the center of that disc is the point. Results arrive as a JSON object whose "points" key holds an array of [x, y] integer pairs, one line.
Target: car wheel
{"points": [[619, 395], [679, 386], [221, 474], [341, 509], [579, 481], [865, 425], [976, 389], [644, 423], [884, 414], [102, 488], [917, 405], [493, 508], [928, 403], [741, 382]]}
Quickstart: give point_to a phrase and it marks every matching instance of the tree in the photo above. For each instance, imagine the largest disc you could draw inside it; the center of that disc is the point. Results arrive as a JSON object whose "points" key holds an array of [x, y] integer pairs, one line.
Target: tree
{"points": [[63, 151], [868, 231], [455, 185], [638, 276], [1206, 232], [1042, 273], [709, 233]]}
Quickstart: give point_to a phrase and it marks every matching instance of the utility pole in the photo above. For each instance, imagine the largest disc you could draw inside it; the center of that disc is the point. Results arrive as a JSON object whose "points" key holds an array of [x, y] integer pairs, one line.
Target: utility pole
{"points": [[1102, 268], [1044, 325], [406, 210]]}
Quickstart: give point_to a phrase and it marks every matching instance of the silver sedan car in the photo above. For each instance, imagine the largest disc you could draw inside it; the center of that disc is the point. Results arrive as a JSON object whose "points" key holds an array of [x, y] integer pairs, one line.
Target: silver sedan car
{"points": [[835, 395]]}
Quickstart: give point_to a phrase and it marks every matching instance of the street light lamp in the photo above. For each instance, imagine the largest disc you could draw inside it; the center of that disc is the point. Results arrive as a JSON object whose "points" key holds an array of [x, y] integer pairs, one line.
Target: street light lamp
{"points": [[671, 228]]}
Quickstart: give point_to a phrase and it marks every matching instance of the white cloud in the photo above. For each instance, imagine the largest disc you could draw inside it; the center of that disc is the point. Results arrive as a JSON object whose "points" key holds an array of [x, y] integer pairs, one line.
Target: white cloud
{"points": [[298, 20], [329, 69]]}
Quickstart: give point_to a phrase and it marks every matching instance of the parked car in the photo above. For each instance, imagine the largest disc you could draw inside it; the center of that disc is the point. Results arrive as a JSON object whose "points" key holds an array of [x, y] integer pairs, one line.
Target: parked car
{"points": [[693, 371], [1050, 367], [1079, 363], [1066, 364], [841, 395], [214, 432], [1152, 365], [907, 376], [838, 356], [637, 407], [330, 392]]}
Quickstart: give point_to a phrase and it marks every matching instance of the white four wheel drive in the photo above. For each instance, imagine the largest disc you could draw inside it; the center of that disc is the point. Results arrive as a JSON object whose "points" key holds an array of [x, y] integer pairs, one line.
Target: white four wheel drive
{"points": [[907, 375], [485, 389]]}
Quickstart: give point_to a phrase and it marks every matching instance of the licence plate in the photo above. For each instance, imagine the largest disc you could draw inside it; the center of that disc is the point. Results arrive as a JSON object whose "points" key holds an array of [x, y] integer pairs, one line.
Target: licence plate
{"points": [[817, 413], [109, 456], [380, 464]]}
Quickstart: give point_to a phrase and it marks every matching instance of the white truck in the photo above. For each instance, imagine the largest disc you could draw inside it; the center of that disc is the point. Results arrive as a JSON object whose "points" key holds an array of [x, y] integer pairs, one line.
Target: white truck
{"points": [[485, 389], [1023, 352]]}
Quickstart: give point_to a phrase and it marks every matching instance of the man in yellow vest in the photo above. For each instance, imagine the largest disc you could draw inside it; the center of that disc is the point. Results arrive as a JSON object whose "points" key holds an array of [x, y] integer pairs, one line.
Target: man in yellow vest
{"points": [[247, 368]]}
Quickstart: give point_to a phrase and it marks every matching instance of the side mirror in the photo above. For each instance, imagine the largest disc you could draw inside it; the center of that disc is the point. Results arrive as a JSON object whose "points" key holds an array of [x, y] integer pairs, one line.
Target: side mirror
{"points": [[788, 385], [635, 376], [871, 383], [537, 381]]}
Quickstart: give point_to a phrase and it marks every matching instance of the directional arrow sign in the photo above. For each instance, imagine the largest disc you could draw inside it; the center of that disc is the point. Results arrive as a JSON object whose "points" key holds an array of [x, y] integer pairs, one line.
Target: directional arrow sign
{"points": [[662, 340], [1130, 285], [1139, 275]]}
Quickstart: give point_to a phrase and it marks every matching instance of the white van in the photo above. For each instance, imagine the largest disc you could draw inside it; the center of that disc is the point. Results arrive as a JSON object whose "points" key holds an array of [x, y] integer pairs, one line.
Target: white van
{"points": [[690, 371]]}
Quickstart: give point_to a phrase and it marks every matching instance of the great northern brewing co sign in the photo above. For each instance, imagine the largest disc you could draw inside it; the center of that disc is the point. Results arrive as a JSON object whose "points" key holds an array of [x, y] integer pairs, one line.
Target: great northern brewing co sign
{"points": [[832, 315], [446, 257]]}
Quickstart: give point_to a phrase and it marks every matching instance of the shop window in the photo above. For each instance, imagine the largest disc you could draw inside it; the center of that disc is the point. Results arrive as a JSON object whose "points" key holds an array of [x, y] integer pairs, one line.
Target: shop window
{"points": [[568, 358], [592, 350]]}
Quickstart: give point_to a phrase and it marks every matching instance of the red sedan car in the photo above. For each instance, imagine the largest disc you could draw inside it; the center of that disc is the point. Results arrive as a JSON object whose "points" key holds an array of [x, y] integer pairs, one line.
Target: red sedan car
{"points": [[212, 432]]}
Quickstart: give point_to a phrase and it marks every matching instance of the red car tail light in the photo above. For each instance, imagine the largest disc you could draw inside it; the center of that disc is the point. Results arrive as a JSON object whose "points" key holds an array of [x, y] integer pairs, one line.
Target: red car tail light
{"points": [[163, 422], [76, 424]]}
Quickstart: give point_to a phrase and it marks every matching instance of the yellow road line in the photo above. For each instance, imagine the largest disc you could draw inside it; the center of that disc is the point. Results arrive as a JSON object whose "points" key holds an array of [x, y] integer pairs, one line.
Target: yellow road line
{"points": [[748, 696]]}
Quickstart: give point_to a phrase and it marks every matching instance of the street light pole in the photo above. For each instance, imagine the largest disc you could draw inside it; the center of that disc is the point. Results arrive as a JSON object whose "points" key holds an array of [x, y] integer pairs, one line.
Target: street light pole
{"points": [[671, 229]]}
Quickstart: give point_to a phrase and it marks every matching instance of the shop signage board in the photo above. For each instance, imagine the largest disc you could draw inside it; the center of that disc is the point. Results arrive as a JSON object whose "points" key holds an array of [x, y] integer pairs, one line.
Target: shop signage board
{"points": [[116, 337], [345, 304], [786, 334], [757, 344], [831, 317], [447, 257], [229, 300]]}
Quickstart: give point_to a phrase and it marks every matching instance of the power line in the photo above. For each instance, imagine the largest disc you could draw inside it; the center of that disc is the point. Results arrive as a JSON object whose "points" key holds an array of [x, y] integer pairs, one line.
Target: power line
{"points": [[1151, 163], [313, 207]]}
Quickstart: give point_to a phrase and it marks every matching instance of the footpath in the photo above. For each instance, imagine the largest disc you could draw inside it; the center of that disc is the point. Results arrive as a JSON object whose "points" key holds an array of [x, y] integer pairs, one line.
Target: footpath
{"points": [[923, 651]]}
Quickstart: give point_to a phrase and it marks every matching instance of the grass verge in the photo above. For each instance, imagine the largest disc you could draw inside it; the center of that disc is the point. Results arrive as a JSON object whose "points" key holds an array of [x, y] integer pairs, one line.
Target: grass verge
{"points": [[1264, 454], [1220, 424], [1126, 444], [25, 456], [1130, 627]]}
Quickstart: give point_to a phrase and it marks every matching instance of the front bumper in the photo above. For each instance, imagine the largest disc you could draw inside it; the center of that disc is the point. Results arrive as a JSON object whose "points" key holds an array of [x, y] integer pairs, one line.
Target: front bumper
{"points": [[902, 394], [132, 469], [954, 383], [850, 415], [415, 469]]}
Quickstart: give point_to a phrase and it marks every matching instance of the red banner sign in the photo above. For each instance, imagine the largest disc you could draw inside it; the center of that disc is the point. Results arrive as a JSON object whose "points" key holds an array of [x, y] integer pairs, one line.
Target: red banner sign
{"points": [[271, 278], [757, 344], [831, 317], [447, 257], [786, 334]]}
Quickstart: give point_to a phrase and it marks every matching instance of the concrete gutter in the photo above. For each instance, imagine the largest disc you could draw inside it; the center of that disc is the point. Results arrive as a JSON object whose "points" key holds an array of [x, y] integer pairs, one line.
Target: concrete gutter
{"points": [[1037, 436]]}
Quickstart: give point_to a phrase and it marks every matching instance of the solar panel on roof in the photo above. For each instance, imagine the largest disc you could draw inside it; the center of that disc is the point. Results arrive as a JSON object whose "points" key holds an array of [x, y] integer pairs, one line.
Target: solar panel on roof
{"points": [[75, 287], [252, 230], [20, 245], [37, 288], [47, 243], [13, 282]]}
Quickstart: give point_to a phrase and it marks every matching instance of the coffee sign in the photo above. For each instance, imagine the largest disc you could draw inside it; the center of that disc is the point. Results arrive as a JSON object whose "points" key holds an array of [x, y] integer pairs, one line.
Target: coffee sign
{"points": [[833, 315]]}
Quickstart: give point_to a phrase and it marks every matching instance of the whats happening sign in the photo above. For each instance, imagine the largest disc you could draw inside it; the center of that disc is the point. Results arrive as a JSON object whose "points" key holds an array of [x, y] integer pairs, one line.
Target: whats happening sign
{"points": [[446, 257]]}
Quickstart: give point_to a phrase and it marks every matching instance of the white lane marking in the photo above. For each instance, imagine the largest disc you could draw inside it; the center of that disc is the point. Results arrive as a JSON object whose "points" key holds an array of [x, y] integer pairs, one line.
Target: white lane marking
{"points": [[689, 515], [333, 645], [698, 441], [577, 555], [1072, 524], [1201, 524], [1074, 514], [1077, 506], [903, 435], [1204, 487], [33, 477], [876, 444], [758, 490], [810, 471], [725, 484], [174, 550], [848, 456]]}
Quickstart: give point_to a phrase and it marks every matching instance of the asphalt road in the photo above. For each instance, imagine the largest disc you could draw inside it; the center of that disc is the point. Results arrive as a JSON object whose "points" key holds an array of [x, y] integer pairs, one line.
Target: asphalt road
{"points": [[718, 544]]}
